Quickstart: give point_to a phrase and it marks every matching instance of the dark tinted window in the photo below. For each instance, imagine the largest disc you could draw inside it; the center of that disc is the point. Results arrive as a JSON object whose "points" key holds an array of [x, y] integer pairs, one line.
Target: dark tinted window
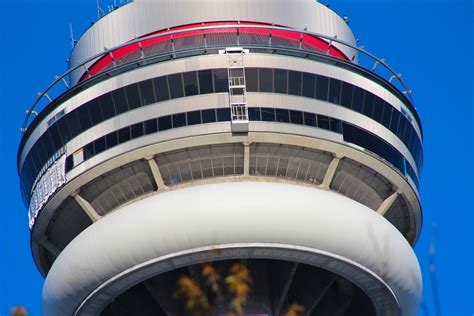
{"points": [[223, 115], [151, 126], [111, 139], [84, 118], [296, 117], [387, 115], [208, 116], [99, 145], [205, 81], [335, 125], [161, 89], [323, 121], [310, 119], [378, 109], [282, 115], [280, 81], [322, 88], [107, 105], [254, 114], [137, 130], [220, 80], [179, 120], [294, 82], [266, 79], [146, 92], [124, 134], [176, 86], [120, 101], [194, 117], [164, 123], [88, 151], [133, 96], [268, 114], [64, 130], [251, 79], [190, 83], [309, 81], [335, 91], [394, 121], [95, 112], [73, 123], [346, 95], [358, 99], [369, 104]]}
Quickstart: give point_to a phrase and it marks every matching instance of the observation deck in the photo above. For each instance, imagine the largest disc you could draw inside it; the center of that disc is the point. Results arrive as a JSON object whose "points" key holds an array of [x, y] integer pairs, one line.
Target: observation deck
{"points": [[241, 100]]}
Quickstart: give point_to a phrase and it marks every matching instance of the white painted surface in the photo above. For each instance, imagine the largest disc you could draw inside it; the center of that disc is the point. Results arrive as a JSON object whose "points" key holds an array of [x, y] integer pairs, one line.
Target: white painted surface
{"points": [[212, 214]]}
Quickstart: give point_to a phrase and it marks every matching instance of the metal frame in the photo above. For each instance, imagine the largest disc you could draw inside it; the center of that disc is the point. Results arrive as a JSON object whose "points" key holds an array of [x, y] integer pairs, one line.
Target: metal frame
{"points": [[377, 61]]}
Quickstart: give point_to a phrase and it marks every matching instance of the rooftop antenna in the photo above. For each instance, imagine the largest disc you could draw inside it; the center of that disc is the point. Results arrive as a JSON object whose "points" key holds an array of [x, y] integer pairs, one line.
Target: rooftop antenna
{"points": [[434, 281], [71, 34], [100, 12]]}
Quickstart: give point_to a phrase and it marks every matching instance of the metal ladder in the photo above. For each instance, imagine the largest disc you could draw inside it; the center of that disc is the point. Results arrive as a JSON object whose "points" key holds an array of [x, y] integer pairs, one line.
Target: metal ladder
{"points": [[237, 88]]}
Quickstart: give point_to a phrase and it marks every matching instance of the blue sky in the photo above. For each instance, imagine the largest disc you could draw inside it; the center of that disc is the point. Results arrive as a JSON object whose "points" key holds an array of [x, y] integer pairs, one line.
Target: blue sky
{"points": [[429, 41]]}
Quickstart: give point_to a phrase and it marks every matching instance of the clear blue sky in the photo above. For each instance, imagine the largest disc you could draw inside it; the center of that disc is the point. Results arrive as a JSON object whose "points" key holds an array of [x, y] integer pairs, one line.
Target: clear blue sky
{"points": [[429, 41]]}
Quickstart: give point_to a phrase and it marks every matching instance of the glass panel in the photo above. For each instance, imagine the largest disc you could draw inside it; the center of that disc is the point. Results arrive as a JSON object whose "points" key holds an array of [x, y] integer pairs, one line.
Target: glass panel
{"points": [[190, 83], [99, 145], [254, 114], [73, 123], [64, 129], [221, 83], [251, 79], [95, 112], [322, 88], [358, 100], [151, 126], [179, 120], [387, 115], [394, 121], [111, 139], [369, 104], [176, 86], [378, 109], [282, 116], [84, 118], [266, 79], [133, 96], [335, 125], [323, 121], [309, 81], [205, 81], [346, 95], [194, 117], [208, 116], [294, 82], [124, 134], [137, 130], [107, 105], [88, 151], [280, 81], [310, 119], [164, 123], [120, 101], [268, 114], [335, 91], [146, 92], [296, 117], [161, 88], [223, 115]]}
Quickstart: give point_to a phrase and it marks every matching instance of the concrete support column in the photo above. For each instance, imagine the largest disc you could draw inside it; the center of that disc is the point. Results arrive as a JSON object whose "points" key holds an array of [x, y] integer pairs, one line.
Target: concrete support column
{"points": [[387, 203], [330, 173], [246, 158], [87, 207], [156, 173]]}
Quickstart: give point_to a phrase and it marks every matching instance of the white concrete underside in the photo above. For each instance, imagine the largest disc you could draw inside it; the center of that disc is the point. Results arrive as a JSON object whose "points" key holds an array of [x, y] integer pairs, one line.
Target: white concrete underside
{"points": [[230, 213]]}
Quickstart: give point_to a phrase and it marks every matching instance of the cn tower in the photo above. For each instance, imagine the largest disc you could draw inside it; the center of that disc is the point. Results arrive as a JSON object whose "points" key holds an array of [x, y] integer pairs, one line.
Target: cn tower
{"points": [[253, 131]]}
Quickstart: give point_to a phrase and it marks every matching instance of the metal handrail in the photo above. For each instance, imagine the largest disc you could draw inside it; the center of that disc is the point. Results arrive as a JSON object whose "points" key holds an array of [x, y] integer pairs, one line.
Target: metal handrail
{"points": [[61, 78]]}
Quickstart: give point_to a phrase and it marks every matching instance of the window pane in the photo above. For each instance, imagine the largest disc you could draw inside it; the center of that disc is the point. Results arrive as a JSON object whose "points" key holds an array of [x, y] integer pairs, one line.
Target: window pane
{"points": [[164, 123], [190, 83], [335, 125], [151, 126], [220, 80], [394, 121], [107, 106], [282, 116], [84, 118], [99, 145], [223, 115], [95, 112], [161, 88], [378, 109], [137, 130], [194, 117], [266, 79], [309, 81], [73, 123], [310, 119], [369, 104], [124, 134], [254, 114], [335, 91], [322, 88], [387, 115], [111, 139], [64, 129], [133, 96], [323, 121], [179, 120], [176, 86], [268, 114], [280, 81], [146, 91], [120, 101], [251, 79], [88, 151], [205, 81], [296, 117], [294, 82], [208, 116], [358, 101], [346, 95]]}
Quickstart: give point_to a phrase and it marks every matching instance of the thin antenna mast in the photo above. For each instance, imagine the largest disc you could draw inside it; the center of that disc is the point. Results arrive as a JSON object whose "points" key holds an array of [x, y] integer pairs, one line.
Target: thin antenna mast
{"points": [[100, 12], [71, 34]]}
